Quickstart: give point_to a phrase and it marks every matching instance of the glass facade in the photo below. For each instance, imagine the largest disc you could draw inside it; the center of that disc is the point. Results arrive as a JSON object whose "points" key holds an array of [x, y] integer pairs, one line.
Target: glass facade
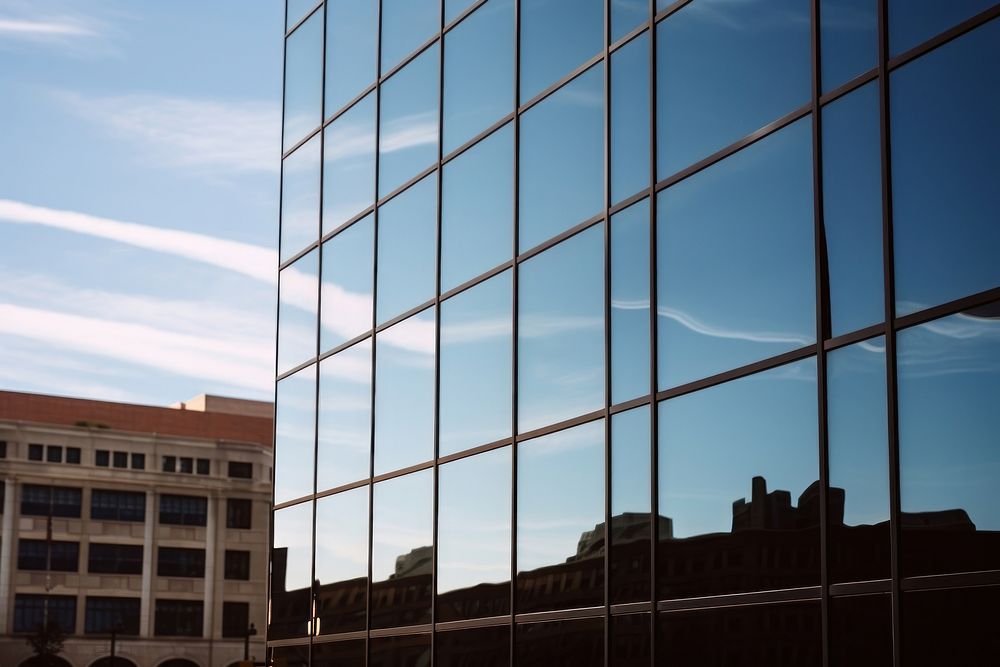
{"points": [[635, 332]]}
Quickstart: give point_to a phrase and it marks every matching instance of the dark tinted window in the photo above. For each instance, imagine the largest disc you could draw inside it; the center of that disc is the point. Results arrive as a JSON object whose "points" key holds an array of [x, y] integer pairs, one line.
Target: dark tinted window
{"points": [[337, 654], [861, 630], [138, 461], [36, 452], [237, 565], [204, 466], [72, 455], [117, 505], [395, 651], [183, 510], [178, 618], [629, 643], [30, 612], [120, 460], [114, 558], [53, 454], [239, 513], [240, 469], [951, 627], [235, 619], [102, 458], [169, 463], [186, 464], [54, 555], [483, 647], [180, 562], [578, 643], [42, 500], [914, 21], [103, 614]]}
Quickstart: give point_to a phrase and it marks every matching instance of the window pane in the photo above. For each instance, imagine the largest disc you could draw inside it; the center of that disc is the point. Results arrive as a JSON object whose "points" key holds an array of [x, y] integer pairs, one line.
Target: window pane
{"points": [[949, 462], [557, 36], [560, 519], [951, 627], [336, 654], [397, 651], [401, 550], [579, 643], [560, 335], [725, 69], [452, 8], [341, 561], [300, 199], [351, 34], [474, 536], [861, 630], [630, 303], [294, 433], [344, 453], [944, 189], [291, 572], [764, 500], [347, 284], [303, 80], [349, 164], [630, 118], [735, 257], [404, 393], [408, 123], [858, 498], [296, 10], [849, 40], [299, 299], [626, 15], [478, 72], [912, 22], [477, 209], [476, 333], [406, 24], [407, 241], [482, 647], [630, 502], [852, 209], [629, 644], [562, 159]]}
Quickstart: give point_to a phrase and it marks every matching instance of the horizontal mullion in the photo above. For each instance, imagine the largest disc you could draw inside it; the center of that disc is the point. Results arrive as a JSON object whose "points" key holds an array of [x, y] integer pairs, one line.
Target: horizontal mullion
{"points": [[297, 256], [956, 580], [850, 86], [470, 623], [624, 608], [741, 599], [298, 641], [944, 37], [560, 615], [861, 587], [844, 340], [303, 19], [422, 629], [946, 309], [340, 637]]}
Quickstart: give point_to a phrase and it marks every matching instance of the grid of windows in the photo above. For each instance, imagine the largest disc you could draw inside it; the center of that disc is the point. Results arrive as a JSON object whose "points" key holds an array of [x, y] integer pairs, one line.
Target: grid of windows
{"points": [[114, 558], [183, 510], [104, 613], [645, 323], [178, 618], [237, 565], [235, 619], [117, 505], [239, 513], [32, 611], [180, 562], [51, 555], [57, 501]]}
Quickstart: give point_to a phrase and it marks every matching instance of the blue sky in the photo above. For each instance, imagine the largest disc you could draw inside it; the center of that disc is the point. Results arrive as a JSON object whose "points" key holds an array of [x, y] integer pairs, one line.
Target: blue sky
{"points": [[139, 164]]}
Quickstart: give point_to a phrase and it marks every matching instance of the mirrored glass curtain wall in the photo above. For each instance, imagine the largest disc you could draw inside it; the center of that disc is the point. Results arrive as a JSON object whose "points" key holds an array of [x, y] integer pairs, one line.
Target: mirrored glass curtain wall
{"points": [[618, 332]]}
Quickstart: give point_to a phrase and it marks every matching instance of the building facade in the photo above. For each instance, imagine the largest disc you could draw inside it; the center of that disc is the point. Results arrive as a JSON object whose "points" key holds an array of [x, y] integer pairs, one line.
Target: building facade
{"points": [[154, 520], [634, 332]]}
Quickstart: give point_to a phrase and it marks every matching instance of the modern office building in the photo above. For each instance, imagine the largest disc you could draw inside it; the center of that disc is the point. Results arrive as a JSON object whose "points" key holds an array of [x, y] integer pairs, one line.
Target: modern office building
{"points": [[618, 332], [149, 518]]}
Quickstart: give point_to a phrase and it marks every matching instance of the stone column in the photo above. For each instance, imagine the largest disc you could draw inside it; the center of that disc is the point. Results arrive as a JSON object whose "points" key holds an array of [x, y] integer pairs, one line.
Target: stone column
{"points": [[7, 553], [148, 565], [211, 532]]}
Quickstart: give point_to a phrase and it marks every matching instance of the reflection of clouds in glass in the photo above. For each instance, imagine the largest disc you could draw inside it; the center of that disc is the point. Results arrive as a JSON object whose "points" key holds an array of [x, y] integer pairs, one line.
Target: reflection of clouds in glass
{"points": [[694, 324], [473, 332], [747, 15], [546, 325], [351, 308], [415, 334], [967, 348], [419, 129], [349, 141]]}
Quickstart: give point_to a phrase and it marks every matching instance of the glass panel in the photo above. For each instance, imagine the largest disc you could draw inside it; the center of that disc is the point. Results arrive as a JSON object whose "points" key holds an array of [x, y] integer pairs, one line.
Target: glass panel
{"points": [[626, 15], [560, 335], [297, 304], [474, 536], [452, 8], [630, 502], [578, 643], [560, 520], [477, 209], [404, 393], [341, 561], [630, 302], [349, 164], [345, 408], [912, 22], [740, 517], [401, 550], [852, 209], [725, 69], [338, 654], [407, 245], [944, 190], [951, 627], [949, 462], [406, 24], [629, 646], [630, 118], [476, 343], [736, 282], [347, 284], [300, 199], [351, 49], [296, 10], [482, 647], [303, 80], [562, 159], [556, 37], [402, 651], [858, 498], [408, 123], [294, 435], [291, 572], [292, 656], [849, 40], [478, 72], [861, 630]]}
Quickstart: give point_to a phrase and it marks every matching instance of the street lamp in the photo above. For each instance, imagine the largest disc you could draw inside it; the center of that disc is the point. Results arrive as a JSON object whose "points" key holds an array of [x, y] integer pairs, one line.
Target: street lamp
{"points": [[116, 627], [251, 631]]}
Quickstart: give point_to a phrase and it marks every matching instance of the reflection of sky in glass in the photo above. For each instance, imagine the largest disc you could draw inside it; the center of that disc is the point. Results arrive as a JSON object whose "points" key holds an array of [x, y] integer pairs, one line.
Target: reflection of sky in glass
{"points": [[342, 536], [478, 72], [857, 430], [630, 302], [944, 183], [630, 461], [560, 479], [626, 15], [297, 302], [344, 417], [561, 170], [294, 432], [407, 241], [474, 521], [914, 21], [477, 209], [630, 118], [293, 531], [351, 47], [296, 10], [735, 256], [349, 164], [713, 442], [476, 331], [852, 209], [725, 69], [406, 24], [560, 333], [402, 520], [452, 8], [556, 37], [347, 284], [303, 80], [949, 381], [849, 40], [300, 199], [404, 393]]}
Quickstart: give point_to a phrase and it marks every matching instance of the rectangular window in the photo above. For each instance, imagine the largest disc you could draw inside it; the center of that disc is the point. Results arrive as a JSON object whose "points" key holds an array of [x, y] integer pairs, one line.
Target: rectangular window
{"points": [[114, 558], [103, 613], [102, 458], [179, 562], [238, 512], [3, 449], [240, 470], [138, 461], [121, 460], [118, 505], [38, 500], [169, 464], [35, 452], [53, 556], [238, 565], [186, 465], [178, 618], [204, 466], [235, 619], [30, 610], [53, 454], [183, 510], [73, 455]]}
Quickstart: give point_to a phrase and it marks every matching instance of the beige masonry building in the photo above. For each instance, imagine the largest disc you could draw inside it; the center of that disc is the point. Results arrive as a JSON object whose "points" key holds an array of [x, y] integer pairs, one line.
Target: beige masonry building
{"points": [[153, 519]]}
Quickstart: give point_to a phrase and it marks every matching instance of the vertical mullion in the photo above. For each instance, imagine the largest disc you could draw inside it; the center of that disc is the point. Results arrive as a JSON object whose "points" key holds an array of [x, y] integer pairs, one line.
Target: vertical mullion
{"points": [[654, 511], [515, 278], [607, 333]]}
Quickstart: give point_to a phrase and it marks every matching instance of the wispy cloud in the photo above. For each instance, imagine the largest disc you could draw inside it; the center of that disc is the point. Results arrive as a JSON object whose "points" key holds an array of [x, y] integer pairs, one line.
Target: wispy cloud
{"points": [[53, 28]]}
